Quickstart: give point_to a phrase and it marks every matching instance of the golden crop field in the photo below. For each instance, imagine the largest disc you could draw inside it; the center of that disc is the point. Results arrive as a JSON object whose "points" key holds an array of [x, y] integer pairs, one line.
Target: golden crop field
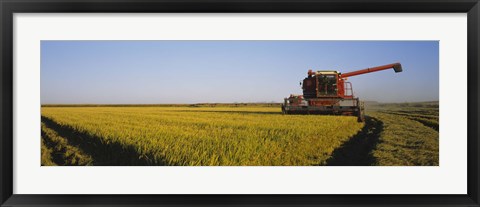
{"points": [[223, 135], [190, 136]]}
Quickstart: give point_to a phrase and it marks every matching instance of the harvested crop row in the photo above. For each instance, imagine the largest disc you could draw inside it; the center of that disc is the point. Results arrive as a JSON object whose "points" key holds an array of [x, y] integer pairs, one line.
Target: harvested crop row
{"points": [[405, 142], [427, 120]]}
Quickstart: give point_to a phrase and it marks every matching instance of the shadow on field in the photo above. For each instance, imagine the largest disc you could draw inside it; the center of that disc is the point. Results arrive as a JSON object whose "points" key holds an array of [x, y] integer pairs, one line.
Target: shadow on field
{"points": [[103, 154], [357, 150]]}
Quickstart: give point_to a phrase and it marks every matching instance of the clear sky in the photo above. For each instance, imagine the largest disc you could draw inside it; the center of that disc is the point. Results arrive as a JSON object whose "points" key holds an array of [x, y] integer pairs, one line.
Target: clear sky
{"points": [[156, 72]]}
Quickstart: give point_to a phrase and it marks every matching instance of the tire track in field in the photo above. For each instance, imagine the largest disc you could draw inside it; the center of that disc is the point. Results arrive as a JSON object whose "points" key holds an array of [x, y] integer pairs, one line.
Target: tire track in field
{"points": [[103, 154], [60, 151], [357, 150], [46, 154]]}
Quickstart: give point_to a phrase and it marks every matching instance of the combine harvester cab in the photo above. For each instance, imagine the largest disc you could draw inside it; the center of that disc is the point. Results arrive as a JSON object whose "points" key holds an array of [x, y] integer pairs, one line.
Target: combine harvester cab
{"points": [[327, 92]]}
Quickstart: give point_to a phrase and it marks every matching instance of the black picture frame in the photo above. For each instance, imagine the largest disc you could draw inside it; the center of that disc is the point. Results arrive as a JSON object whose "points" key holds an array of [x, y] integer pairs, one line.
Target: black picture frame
{"points": [[9, 7]]}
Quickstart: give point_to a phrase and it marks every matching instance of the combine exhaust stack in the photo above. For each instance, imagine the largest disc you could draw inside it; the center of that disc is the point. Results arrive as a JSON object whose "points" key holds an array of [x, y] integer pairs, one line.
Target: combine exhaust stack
{"points": [[327, 92]]}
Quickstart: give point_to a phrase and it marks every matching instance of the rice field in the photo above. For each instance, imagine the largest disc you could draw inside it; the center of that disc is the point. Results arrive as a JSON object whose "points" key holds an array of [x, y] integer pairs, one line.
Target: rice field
{"points": [[196, 136], [236, 135]]}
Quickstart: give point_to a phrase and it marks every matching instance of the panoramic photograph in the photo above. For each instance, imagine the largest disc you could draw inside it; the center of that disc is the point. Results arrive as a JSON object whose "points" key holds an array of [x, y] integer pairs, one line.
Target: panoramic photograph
{"points": [[239, 103]]}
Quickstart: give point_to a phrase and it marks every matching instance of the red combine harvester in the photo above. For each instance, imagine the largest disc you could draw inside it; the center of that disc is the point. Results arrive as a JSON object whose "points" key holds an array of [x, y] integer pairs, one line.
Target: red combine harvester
{"points": [[327, 92]]}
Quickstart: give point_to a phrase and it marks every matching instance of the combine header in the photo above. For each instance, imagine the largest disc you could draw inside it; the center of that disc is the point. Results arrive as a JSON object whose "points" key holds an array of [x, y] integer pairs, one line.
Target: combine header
{"points": [[327, 92]]}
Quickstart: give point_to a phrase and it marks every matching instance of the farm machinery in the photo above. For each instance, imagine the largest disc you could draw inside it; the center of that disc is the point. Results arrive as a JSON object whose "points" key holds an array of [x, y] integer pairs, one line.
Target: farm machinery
{"points": [[328, 92]]}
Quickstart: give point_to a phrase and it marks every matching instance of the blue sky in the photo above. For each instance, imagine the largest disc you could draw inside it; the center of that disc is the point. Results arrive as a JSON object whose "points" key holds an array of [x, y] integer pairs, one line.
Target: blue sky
{"points": [[156, 72]]}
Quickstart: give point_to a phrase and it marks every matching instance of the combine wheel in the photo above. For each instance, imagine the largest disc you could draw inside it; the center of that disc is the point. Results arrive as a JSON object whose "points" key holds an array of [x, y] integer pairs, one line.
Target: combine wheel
{"points": [[361, 112], [283, 110]]}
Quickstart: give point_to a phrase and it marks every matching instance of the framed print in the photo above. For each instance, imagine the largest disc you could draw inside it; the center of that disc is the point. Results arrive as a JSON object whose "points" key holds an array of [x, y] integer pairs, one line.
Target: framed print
{"points": [[239, 103]]}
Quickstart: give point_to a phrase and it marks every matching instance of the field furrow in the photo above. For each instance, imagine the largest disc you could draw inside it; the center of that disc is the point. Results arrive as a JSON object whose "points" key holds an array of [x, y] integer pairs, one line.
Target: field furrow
{"points": [[57, 150]]}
